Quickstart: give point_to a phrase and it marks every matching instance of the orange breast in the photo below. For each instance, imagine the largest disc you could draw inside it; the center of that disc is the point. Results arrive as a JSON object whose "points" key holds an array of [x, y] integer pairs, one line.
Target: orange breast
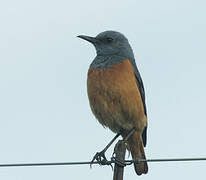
{"points": [[114, 97]]}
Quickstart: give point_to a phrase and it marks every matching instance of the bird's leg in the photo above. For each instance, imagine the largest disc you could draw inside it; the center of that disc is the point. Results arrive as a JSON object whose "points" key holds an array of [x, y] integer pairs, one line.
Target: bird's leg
{"points": [[100, 156], [129, 134], [123, 142]]}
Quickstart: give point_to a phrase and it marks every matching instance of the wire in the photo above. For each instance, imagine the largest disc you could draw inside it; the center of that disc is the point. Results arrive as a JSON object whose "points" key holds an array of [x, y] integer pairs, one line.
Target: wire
{"points": [[127, 162], [172, 159], [47, 164]]}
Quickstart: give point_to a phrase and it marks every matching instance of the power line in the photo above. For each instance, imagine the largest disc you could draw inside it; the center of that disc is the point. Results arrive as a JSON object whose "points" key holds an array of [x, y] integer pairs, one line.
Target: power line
{"points": [[172, 159], [47, 164], [127, 162]]}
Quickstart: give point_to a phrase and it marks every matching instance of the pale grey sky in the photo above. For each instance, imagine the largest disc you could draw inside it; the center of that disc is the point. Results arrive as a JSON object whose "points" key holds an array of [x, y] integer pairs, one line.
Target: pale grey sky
{"points": [[44, 110]]}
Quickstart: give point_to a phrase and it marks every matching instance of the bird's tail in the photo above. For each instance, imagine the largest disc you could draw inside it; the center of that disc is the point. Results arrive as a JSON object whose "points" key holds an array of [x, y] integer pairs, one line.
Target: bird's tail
{"points": [[137, 150]]}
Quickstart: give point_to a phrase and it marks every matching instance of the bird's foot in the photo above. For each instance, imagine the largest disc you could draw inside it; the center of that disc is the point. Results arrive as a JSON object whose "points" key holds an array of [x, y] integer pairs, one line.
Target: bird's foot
{"points": [[119, 153], [100, 158], [117, 161]]}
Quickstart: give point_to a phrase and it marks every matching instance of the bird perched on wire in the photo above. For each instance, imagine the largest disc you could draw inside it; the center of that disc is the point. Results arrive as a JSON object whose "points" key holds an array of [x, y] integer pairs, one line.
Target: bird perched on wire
{"points": [[116, 92]]}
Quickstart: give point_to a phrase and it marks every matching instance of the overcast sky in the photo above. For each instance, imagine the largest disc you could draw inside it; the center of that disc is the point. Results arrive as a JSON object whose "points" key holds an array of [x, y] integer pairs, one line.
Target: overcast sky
{"points": [[44, 110]]}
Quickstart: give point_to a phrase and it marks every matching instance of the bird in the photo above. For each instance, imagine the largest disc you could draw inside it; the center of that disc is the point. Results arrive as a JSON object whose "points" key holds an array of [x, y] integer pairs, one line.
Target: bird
{"points": [[116, 92]]}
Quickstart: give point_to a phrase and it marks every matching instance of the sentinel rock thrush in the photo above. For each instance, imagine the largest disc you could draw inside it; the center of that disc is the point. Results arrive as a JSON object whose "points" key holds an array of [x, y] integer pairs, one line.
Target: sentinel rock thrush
{"points": [[116, 92]]}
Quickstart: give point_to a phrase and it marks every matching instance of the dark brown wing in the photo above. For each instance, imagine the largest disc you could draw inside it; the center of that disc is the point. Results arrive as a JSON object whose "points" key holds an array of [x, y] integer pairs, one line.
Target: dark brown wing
{"points": [[142, 93]]}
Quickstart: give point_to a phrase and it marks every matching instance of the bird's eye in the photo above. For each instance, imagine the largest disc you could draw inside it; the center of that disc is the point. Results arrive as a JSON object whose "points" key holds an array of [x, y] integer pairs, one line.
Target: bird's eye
{"points": [[109, 39]]}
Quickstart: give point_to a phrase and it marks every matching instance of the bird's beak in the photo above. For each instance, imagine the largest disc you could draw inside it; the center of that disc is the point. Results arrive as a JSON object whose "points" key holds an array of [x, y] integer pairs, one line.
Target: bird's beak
{"points": [[88, 38]]}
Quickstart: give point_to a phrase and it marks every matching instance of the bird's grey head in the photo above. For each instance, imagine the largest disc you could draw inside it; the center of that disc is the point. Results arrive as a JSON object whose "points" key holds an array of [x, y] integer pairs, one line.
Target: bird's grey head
{"points": [[110, 43]]}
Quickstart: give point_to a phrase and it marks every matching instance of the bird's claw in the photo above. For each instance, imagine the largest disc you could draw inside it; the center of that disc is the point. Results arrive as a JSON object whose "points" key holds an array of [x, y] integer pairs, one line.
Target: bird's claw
{"points": [[100, 159], [117, 161]]}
